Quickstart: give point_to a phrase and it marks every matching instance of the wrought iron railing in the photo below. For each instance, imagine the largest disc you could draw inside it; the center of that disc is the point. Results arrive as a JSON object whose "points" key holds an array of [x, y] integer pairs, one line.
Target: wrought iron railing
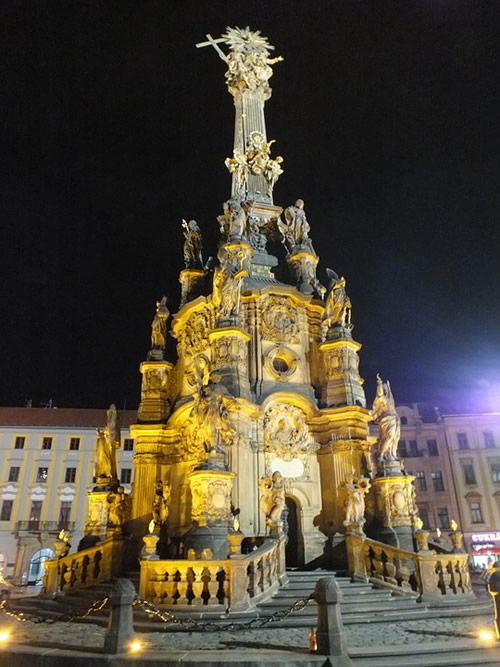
{"points": [[35, 525]]}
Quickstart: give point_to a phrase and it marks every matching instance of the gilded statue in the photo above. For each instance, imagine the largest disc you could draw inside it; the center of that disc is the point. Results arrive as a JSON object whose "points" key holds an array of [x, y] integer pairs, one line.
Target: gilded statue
{"points": [[108, 441], [337, 303], [161, 502], [228, 278], [386, 417], [159, 326], [296, 229], [272, 501], [354, 503], [256, 160], [117, 507], [193, 258]]}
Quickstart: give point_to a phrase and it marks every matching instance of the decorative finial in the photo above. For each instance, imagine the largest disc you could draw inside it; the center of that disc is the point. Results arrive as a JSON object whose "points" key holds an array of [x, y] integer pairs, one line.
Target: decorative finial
{"points": [[454, 525]]}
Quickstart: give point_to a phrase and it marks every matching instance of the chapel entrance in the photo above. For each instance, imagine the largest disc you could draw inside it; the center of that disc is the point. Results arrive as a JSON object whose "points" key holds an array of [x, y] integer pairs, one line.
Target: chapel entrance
{"points": [[294, 549], [36, 569]]}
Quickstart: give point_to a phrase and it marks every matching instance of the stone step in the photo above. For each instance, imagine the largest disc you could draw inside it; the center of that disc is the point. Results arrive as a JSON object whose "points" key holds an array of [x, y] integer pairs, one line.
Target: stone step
{"points": [[455, 653], [346, 608], [372, 596]]}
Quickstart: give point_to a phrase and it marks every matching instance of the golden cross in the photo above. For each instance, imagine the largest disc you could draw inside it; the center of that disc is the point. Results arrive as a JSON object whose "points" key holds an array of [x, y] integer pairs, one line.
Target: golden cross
{"points": [[213, 42]]}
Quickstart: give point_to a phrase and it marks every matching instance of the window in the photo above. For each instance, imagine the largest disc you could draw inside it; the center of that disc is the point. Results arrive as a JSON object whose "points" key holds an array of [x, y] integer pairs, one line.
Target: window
{"points": [[443, 518], [469, 474], [432, 448], [475, 510], [64, 514], [463, 441], [19, 442], [489, 440], [74, 443], [437, 481], [402, 449], [14, 474], [424, 515], [126, 475], [47, 443], [404, 420], [421, 483], [128, 444], [70, 475], [6, 510], [35, 514], [495, 472], [414, 448], [42, 474]]}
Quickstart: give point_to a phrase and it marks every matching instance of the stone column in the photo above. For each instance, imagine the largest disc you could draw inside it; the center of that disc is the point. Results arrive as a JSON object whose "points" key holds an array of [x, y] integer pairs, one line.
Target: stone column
{"points": [[330, 634], [121, 621]]}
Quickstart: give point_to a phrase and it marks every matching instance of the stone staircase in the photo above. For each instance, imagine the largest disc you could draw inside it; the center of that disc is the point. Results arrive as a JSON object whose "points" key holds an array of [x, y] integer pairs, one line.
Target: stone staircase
{"points": [[363, 605]]}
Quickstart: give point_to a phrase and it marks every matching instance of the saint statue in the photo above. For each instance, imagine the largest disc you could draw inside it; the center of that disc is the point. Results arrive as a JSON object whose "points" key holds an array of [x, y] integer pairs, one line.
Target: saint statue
{"points": [[108, 441], [192, 245], [337, 303], [117, 507], [354, 504], [386, 417], [159, 326], [272, 500], [296, 229], [228, 278], [161, 502]]}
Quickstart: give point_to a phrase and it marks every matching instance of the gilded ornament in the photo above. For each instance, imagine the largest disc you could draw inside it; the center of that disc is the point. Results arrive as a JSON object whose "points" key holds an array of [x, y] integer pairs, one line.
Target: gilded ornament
{"points": [[108, 441], [337, 304], [279, 320], [286, 434], [272, 501]]}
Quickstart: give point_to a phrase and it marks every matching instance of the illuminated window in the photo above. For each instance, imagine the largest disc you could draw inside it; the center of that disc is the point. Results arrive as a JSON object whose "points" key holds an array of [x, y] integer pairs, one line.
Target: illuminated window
{"points": [[463, 441], [495, 472], [414, 448], [47, 443], [469, 474], [42, 474], [126, 475], [402, 449], [421, 482], [476, 514], [19, 442], [432, 448], [64, 514], [6, 510], [74, 443], [437, 481], [128, 444], [70, 475], [14, 474], [443, 517], [35, 514], [489, 440]]}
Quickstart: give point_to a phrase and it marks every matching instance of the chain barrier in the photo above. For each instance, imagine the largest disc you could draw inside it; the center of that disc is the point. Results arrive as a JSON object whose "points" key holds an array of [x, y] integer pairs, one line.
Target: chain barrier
{"points": [[210, 626], [97, 605]]}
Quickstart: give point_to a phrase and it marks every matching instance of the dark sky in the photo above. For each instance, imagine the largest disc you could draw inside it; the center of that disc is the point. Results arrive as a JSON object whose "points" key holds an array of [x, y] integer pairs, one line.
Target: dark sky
{"points": [[114, 127]]}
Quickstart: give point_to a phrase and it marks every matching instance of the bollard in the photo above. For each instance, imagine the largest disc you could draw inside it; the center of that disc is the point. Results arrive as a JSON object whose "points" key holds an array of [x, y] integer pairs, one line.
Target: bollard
{"points": [[121, 621], [494, 591], [330, 634]]}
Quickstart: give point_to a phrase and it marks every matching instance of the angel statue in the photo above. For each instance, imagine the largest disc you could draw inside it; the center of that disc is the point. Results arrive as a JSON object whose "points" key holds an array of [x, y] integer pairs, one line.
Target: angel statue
{"points": [[192, 245], [108, 441], [161, 502], [159, 329], [296, 229], [227, 282], [272, 500], [337, 303], [354, 504], [386, 417]]}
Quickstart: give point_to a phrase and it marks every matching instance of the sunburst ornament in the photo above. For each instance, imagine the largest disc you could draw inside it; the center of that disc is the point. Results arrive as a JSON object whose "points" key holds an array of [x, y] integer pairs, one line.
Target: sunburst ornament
{"points": [[244, 40]]}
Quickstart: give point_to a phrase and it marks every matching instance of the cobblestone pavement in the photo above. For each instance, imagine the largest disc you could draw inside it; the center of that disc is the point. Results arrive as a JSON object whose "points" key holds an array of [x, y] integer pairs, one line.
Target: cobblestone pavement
{"points": [[376, 634]]}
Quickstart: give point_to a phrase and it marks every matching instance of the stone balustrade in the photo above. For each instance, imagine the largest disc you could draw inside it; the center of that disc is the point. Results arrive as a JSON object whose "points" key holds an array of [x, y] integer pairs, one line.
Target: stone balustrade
{"points": [[84, 568], [424, 574], [239, 582]]}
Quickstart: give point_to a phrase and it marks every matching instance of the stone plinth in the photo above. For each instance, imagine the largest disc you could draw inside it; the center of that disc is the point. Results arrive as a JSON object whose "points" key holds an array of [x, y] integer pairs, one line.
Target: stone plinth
{"points": [[341, 383], [230, 359], [302, 266], [393, 499], [98, 512], [191, 281], [154, 405]]}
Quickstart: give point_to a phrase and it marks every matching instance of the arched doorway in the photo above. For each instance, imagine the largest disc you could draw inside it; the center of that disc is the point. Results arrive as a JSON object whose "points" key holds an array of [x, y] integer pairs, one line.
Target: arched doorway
{"points": [[294, 551], [36, 569]]}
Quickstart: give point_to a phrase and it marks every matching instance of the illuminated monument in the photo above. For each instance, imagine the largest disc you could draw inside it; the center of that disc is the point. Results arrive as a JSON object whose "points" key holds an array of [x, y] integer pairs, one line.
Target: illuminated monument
{"points": [[267, 375], [257, 436]]}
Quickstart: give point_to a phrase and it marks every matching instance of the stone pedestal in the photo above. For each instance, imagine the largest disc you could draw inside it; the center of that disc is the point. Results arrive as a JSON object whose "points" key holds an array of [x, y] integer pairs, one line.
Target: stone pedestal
{"points": [[150, 543], [98, 512], [191, 281], [341, 383], [230, 359], [302, 266], [394, 508], [154, 405], [211, 486]]}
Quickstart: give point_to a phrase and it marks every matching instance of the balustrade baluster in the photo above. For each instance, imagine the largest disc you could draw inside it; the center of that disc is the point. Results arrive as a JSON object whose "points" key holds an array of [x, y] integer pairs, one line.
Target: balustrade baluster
{"points": [[378, 563], [182, 585], [213, 585], [390, 568], [197, 586]]}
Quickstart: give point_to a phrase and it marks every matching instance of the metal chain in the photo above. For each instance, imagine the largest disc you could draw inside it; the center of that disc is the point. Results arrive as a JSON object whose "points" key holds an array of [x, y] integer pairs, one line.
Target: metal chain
{"points": [[97, 605], [209, 626]]}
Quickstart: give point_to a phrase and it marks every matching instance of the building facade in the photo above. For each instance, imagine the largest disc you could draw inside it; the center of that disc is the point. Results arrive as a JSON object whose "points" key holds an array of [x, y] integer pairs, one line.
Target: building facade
{"points": [[47, 465]]}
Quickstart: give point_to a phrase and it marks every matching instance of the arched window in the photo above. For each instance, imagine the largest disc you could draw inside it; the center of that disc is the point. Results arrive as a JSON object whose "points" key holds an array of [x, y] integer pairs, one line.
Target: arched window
{"points": [[404, 420], [35, 572]]}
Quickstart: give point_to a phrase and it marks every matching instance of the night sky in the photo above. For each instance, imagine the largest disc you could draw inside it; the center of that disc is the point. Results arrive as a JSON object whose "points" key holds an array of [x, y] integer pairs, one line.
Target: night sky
{"points": [[114, 127]]}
